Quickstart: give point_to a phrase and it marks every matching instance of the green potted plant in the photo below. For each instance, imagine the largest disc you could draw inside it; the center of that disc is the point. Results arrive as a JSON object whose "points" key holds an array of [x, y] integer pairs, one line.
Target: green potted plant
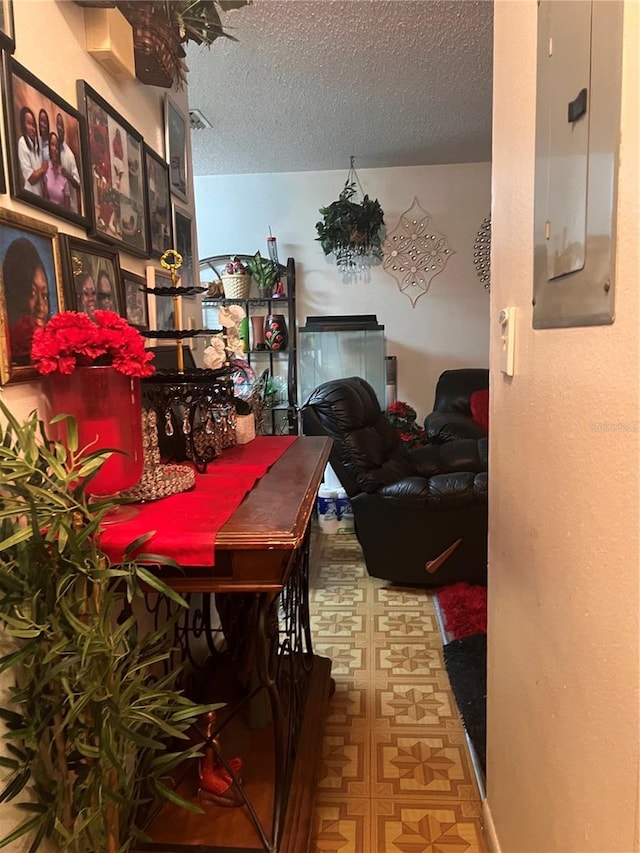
{"points": [[350, 229], [162, 27], [264, 272], [92, 711]]}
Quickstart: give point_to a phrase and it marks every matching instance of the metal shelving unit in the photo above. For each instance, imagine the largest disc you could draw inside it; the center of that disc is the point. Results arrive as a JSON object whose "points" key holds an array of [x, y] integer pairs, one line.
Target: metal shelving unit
{"points": [[281, 366]]}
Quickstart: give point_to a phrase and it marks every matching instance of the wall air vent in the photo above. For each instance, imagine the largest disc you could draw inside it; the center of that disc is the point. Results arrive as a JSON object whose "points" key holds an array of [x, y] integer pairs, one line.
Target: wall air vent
{"points": [[197, 121]]}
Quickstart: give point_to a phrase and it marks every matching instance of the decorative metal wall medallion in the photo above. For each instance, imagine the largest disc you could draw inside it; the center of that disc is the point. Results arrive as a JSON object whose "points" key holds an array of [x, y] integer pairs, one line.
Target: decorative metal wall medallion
{"points": [[482, 253], [414, 253]]}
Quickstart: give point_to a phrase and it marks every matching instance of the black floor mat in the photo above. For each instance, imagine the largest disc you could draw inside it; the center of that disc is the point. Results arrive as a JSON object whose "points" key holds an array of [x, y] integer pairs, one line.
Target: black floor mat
{"points": [[466, 662]]}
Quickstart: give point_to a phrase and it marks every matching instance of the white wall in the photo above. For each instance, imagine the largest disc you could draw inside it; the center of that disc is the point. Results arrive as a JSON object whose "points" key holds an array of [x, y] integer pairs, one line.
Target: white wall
{"points": [[563, 539], [449, 326]]}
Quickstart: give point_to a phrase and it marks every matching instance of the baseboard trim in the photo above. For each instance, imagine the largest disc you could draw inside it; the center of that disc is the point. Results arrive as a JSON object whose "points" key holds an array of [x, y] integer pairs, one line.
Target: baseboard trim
{"points": [[490, 835]]}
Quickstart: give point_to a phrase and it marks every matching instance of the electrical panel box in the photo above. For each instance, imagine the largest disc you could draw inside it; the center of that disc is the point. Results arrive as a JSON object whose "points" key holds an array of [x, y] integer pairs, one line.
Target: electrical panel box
{"points": [[577, 141]]}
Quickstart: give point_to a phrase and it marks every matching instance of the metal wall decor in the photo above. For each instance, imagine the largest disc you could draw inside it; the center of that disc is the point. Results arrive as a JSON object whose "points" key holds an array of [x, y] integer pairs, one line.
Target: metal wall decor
{"points": [[482, 253], [414, 253]]}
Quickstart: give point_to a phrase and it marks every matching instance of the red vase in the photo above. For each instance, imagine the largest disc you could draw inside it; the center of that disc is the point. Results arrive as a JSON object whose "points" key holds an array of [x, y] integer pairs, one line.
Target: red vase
{"points": [[108, 410]]}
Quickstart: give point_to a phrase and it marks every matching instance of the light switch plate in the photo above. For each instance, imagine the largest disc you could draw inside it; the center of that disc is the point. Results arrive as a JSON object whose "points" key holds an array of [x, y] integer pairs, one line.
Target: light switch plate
{"points": [[507, 340]]}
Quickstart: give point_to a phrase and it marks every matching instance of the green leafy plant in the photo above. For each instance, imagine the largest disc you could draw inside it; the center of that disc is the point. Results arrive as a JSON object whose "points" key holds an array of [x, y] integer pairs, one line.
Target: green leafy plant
{"points": [[162, 27], [93, 716], [263, 270], [351, 230], [199, 20]]}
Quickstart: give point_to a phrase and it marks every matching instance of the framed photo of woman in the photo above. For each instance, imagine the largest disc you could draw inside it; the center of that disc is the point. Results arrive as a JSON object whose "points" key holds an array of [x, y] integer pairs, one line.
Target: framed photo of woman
{"points": [[159, 200], [91, 276], [115, 165], [30, 289], [136, 309], [45, 141], [176, 126]]}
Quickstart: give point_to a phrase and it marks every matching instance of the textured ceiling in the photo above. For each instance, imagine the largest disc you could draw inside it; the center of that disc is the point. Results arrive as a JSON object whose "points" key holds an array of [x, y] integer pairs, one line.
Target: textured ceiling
{"points": [[310, 83]]}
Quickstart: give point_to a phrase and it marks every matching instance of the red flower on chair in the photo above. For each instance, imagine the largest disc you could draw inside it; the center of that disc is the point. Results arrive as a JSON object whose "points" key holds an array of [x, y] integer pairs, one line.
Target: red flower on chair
{"points": [[403, 418]]}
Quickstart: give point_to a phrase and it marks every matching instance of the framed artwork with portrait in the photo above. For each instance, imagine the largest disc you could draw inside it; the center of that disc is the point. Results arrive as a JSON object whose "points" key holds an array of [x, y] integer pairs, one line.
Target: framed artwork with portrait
{"points": [[161, 316], [7, 31], [159, 202], [182, 229], [115, 166], [30, 289], [45, 140], [136, 309], [91, 276], [176, 127]]}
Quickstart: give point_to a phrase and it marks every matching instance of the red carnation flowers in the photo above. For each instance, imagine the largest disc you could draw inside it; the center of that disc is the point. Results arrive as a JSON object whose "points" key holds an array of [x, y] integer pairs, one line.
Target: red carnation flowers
{"points": [[71, 340]]}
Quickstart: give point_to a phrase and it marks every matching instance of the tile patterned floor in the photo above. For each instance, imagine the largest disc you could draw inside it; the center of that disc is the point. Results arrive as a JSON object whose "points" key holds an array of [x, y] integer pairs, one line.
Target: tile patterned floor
{"points": [[396, 776]]}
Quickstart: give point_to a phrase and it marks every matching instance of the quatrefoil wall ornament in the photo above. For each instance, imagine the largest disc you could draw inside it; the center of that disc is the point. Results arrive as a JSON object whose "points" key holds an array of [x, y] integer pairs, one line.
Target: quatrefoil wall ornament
{"points": [[414, 253]]}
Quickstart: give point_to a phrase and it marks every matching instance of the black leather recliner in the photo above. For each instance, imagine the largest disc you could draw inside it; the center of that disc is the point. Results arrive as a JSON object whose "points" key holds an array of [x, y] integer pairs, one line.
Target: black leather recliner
{"points": [[451, 417], [409, 507]]}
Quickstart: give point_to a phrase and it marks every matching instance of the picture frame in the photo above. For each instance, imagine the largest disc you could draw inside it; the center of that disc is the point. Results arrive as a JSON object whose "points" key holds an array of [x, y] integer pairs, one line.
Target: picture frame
{"points": [[115, 168], [176, 127], [7, 28], [33, 176], [3, 181], [92, 277], [159, 203], [160, 307], [183, 235], [136, 308], [30, 290]]}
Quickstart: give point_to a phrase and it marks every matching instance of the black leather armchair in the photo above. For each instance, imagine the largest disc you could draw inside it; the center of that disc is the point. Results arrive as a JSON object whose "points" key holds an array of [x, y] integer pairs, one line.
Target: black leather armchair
{"points": [[409, 507], [451, 416]]}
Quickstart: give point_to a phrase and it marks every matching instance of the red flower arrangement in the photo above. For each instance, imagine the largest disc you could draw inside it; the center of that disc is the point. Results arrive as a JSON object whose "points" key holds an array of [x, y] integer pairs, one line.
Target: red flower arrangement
{"points": [[71, 340], [403, 418]]}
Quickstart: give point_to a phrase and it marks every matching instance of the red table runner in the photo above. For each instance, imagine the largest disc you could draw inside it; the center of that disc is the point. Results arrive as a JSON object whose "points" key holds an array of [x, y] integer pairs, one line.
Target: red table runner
{"points": [[184, 526]]}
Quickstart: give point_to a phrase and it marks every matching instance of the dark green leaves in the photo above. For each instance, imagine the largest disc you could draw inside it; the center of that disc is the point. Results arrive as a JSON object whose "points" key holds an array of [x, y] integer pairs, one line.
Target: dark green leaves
{"points": [[94, 703]]}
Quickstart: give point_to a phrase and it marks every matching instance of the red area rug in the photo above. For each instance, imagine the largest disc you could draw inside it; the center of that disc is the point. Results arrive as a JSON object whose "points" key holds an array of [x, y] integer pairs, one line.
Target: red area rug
{"points": [[464, 609]]}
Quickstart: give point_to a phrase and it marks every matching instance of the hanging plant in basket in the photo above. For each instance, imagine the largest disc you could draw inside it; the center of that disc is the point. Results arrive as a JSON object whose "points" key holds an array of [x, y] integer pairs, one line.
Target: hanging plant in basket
{"points": [[162, 27], [352, 229]]}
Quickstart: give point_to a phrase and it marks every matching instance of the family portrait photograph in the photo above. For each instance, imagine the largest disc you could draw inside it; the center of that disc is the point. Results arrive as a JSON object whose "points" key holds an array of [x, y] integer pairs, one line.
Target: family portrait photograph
{"points": [[30, 279], [45, 145], [91, 277], [116, 166]]}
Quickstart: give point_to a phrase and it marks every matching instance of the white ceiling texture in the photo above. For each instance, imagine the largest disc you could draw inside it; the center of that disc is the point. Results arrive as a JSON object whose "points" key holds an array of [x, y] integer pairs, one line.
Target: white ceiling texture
{"points": [[311, 83]]}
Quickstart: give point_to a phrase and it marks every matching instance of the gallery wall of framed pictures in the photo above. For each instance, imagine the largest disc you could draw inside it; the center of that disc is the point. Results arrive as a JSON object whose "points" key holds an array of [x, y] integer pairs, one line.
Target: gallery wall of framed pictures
{"points": [[78, 161]]}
